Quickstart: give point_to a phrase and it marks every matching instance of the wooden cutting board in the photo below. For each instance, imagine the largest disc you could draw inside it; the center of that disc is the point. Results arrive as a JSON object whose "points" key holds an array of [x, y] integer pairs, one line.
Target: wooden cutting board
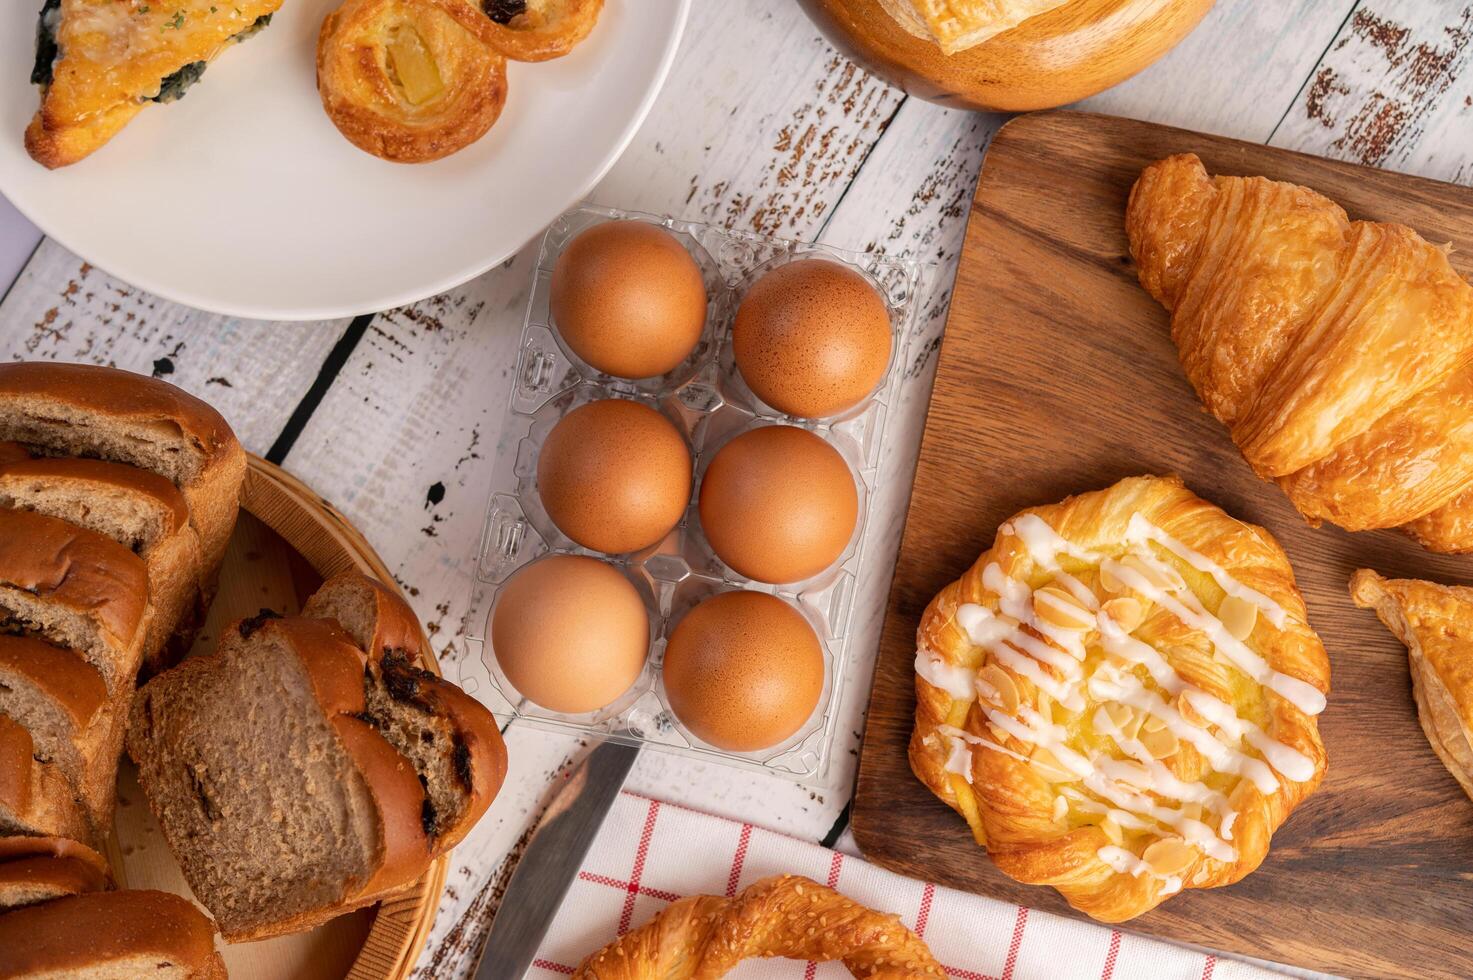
{"points": [[1058, 375]]}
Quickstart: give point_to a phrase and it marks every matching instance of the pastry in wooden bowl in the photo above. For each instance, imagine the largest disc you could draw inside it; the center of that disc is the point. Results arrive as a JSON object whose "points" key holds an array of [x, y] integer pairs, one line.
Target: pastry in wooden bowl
{"points": [[540, 30], [410, 80], [101, 62], [1120, 696], [787, 916], [1436, 624], [955, 25], [1338, 353]]}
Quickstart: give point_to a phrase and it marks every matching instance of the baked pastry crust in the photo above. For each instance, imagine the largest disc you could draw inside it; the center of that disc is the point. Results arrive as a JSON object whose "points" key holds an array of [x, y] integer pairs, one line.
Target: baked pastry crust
{"points": [[540, 30], [955, 25], [787, 915], [410, 80], [1120, 696], [1339, 353], [1435, 622], [113, 59]]}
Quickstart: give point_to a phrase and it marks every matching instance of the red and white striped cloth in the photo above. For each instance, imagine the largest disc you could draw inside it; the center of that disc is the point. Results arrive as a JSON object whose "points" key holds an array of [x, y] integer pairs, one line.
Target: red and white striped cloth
{"points": [[651, 853]]}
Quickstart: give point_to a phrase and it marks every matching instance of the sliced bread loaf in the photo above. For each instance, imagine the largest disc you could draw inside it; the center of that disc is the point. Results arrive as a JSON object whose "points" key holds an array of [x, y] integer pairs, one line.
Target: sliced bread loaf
{"points": [[38, 869], [282, 803], [450, 737], [86, 410], [75, 588], [140, 510], [121, 935], [35, 799], [61, 700]]}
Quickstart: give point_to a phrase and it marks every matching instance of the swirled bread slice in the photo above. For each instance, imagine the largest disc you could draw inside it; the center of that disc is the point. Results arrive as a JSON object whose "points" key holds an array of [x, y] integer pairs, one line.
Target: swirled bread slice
{"points": [[101, 62], [450, 737], [103, 413], [140, 510], [119, 935], [39, 869], [283, 804], [62, 702], [35, 799], [74, 588]]}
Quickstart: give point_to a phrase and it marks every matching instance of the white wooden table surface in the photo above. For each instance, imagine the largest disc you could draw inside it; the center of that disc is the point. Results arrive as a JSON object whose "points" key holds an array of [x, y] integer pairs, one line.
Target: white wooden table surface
{"points": [[762, 126]]}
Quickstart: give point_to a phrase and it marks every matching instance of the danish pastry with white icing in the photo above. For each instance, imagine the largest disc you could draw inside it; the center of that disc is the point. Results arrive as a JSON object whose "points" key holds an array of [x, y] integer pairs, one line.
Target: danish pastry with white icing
{"points": [[1120, 696]]}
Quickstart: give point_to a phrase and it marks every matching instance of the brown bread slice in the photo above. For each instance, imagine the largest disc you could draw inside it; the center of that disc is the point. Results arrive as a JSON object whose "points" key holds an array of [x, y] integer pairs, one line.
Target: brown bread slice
{"points": [[140, 510], [86, 410], [284, 807], [35, 799], [62, 702], [124, 935], [39, 869], [451, 738], [75, 588]]}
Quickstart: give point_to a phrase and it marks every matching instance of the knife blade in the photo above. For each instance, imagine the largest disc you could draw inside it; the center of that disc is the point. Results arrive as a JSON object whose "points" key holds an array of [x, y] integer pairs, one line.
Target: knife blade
{"points": [[552, 859]]}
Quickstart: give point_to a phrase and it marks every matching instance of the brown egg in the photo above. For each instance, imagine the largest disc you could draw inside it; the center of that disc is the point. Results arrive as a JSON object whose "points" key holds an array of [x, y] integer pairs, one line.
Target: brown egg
{"points": [[743, 671], [778, 504], [812, 338], [628, 299], [570, 632], [614, 475]]}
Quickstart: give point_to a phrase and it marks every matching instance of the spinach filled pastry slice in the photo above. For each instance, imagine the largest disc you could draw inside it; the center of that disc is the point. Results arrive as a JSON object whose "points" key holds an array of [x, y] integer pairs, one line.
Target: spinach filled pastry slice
{"points": [[100, 62], [1120, 697]]}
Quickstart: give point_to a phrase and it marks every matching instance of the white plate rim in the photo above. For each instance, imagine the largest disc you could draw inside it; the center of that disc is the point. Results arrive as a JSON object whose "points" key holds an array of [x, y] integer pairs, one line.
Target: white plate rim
{"points": [[265, 310]]}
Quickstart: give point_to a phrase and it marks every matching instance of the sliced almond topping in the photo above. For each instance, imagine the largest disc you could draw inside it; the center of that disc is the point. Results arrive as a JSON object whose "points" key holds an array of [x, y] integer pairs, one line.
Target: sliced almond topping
{"points": [[1109, 581], [1189, 714], [1169, 856], [1047, 765], [1061, 809], [1152, 723], [1238, 616], [1162, 743], [1001, 682], [997, 733], [1200, 875], [1128, 612], [1045, 707], [1054, 606], [1112, 831], [1132, 728], [1192, 811], [1120, 714]]}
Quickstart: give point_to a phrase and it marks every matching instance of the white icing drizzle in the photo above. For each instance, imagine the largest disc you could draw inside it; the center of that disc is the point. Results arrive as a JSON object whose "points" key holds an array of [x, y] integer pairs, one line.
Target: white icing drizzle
{"points": [[1123, 862], [1140, 530], [1054, 665], [954, 679], [1305, 697]]}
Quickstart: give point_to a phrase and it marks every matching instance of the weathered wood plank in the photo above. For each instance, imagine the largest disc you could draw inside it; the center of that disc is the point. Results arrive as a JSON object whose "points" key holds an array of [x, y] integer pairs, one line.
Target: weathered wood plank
{"points": [[1236, 74], [1394, 90], [254, 372]]}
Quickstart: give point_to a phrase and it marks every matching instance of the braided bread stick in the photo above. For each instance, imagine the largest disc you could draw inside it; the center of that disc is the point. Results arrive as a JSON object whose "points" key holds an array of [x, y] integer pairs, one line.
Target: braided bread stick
{"points": [[790, 916]]}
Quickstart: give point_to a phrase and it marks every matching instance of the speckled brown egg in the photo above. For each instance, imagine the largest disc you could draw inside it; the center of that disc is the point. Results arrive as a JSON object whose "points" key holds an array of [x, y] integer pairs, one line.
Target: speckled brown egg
{"points": [[570, 632], [778, 504], [614, 475], [812, 338], [628, 299], [743, 671]]}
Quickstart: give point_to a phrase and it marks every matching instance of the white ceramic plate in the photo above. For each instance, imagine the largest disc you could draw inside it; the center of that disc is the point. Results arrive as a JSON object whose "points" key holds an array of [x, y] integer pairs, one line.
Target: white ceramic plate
{"points": [[242, 198]]}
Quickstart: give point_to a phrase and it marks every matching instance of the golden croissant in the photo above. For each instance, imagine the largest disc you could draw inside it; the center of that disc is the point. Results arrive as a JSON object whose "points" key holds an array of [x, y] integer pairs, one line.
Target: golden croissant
{"points": [[1120, 697], [706, 936], [1339, 353], [1436, 624]]}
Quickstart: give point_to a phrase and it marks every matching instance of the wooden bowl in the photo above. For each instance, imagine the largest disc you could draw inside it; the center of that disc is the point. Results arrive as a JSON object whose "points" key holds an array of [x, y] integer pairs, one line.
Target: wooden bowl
{"points": [[286, 542], [1050, 60]]}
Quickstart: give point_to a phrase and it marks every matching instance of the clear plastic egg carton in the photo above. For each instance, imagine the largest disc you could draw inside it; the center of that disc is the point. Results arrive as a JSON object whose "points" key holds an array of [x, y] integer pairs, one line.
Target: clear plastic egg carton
{"points": [[709, 403]]}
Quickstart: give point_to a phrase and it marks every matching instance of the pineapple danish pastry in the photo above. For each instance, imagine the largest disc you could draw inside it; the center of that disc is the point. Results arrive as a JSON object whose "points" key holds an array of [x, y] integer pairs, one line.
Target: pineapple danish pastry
{"points": [[1120, 696]]}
